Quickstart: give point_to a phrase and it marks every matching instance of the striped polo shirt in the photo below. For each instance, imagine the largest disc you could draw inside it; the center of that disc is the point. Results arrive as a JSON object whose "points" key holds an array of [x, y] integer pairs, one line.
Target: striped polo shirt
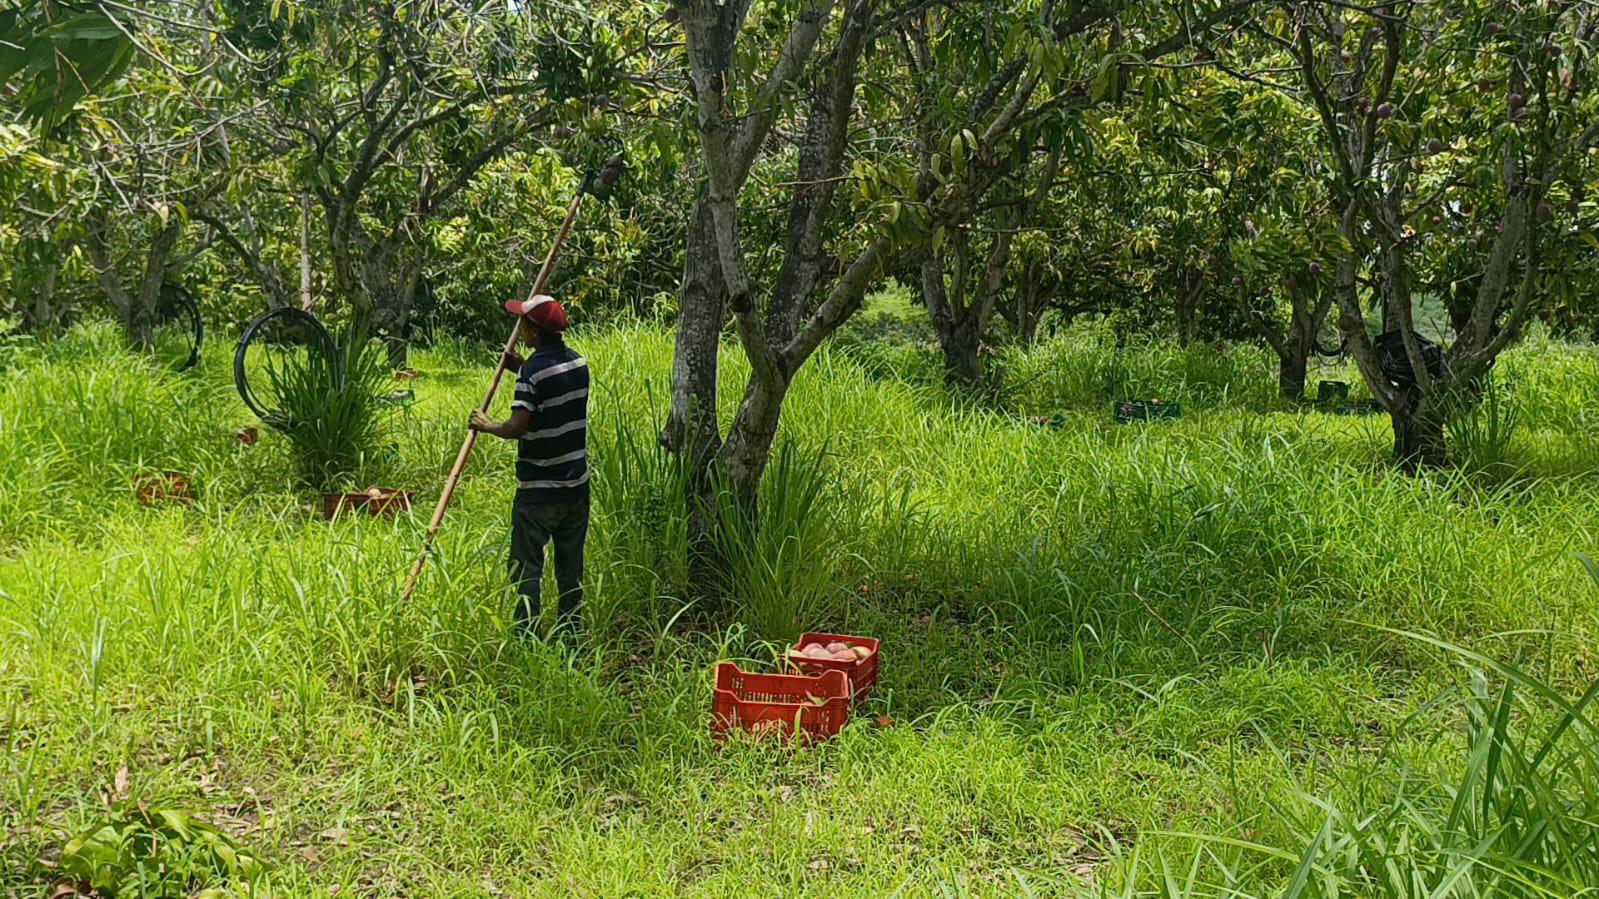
{"points": [[552, 457]]}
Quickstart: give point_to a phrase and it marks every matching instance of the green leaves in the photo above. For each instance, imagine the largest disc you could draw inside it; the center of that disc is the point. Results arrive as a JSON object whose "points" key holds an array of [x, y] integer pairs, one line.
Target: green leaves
{"points": [[159, 853], [1104, 77], [55, 64], [961, 145], [568, 67]]}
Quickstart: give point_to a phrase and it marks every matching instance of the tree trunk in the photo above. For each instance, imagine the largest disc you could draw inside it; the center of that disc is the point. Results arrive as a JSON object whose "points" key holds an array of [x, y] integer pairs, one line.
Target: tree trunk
{"points": [[1291, 365], [143, 320], [378, 276], [41, 316], [953, 322], [962, 363], [692, 431], [380, 279], [1293, 351], [741, 462], [749, 441], [1188, 308], [1419, 437], [1027, 307], [1029, 328], [138, 328], [136, 310], [305, 250], [392, 321], [389, 280]]}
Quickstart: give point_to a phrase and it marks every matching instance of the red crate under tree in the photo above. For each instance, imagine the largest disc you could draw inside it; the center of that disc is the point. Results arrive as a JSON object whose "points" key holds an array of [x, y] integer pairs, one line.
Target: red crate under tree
{"points": [[153, 487], [862, 672], [779, 704], [388, 501], [377, 501]]}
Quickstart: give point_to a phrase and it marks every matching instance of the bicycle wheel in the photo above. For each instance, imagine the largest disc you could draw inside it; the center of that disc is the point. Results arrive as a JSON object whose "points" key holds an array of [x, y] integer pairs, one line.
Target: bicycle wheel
{"points": [[1329, 342], [179, 332], [283, 353]]}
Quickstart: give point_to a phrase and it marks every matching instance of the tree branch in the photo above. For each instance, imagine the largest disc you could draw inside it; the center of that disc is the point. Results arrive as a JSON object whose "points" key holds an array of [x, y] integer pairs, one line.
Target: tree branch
{"points": [[431, 201], [764, 107], [94, 234], [843, 300], [270, 282]]}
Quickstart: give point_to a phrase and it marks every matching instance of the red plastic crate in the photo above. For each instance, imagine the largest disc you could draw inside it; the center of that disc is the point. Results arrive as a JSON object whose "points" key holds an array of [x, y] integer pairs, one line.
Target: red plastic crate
{"points": [[389, 501], [386, 501], [862, 672], [781, 704], [153, 487]]}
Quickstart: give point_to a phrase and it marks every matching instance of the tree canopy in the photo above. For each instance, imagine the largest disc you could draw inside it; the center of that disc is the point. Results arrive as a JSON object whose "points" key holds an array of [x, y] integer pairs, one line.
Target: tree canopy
{"points": [[1302, 174]]}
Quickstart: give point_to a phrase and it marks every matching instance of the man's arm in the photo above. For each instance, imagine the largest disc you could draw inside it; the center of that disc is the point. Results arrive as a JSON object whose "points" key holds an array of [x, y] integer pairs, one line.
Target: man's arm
{"points": [[521, 406], [511, 429]]}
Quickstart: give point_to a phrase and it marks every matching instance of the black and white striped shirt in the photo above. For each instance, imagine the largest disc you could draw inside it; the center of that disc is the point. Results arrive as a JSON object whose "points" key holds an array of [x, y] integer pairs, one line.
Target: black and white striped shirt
{"points": [[552, 457]]}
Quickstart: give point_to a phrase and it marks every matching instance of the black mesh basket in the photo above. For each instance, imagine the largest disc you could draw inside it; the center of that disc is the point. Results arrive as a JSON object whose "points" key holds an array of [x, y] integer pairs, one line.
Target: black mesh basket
{"points": [[1395, 362]]}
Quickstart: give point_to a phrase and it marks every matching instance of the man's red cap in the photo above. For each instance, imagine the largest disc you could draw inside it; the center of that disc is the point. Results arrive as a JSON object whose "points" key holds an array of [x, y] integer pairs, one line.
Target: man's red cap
{"points": [[542, 311]]}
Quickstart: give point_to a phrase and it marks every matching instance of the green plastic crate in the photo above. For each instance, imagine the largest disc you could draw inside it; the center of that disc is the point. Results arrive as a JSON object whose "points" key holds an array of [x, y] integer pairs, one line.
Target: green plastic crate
{"points": [[400, 398], [1329, 393], [1360, 407]]}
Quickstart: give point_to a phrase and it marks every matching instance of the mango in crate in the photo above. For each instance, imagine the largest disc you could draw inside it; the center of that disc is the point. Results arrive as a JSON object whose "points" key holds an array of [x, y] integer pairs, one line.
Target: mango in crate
{"points": [[812, 651]]}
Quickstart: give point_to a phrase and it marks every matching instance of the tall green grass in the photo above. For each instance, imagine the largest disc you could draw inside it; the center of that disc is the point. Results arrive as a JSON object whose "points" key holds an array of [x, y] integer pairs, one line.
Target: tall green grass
{"points": [[1482, 427], [1514, 817], [1120, 660], [1089, 367], [13, 343], [1504, 806], [329, 406], [780, 556]]}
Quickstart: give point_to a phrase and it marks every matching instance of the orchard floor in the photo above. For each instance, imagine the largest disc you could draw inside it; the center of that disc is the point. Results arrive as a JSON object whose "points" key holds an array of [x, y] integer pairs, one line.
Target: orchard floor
{"points": [[1118, 660]]}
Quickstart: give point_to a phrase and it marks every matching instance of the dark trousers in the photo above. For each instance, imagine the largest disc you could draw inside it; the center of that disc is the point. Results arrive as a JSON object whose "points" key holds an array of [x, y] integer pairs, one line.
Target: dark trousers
{"points": [[532, 526]]}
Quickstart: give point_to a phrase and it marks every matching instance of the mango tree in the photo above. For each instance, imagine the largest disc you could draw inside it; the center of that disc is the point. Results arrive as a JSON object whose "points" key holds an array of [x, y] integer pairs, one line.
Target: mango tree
{"points": [[384, 113], [1285, 299], [803, 65], [1420, 105], [88, 158], [138, 162], [1088, 247], [1041, 283], [966, 267], [35, 241], [969, 268], [1236, 215]]}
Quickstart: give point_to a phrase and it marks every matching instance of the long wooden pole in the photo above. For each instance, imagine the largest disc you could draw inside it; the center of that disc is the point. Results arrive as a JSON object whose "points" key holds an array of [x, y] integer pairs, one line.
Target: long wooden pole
{"points": [[488, 398]]}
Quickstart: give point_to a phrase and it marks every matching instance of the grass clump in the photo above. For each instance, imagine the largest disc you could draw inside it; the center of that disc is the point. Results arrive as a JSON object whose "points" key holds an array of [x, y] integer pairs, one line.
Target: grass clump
{"points": [[779, 555], [325, 394], [1482, 428]]}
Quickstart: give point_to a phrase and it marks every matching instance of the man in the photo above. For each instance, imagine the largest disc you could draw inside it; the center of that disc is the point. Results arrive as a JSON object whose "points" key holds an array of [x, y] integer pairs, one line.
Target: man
{"points": [[549, 421]]}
